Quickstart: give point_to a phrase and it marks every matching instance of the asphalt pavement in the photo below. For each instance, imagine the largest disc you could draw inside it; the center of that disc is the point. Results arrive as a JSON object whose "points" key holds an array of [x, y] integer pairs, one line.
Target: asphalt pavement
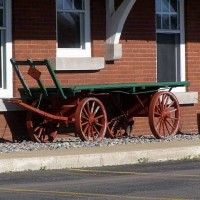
{"points": [[99, 156]]}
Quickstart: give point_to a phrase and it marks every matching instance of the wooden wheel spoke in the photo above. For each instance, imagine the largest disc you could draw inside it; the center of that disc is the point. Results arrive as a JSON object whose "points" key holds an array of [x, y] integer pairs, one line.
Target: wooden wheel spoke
{"points": [[157, 124], [167, 100], [84, 117], [88, 109], [160, 126], [162, 102], [96, 130], [92, 108], [112, 126], [37, 128], [163, 125], [96, 110], [172, 102], [89, 132], [157, 113], [174, 110], [86, 113], [99, 117], [40, 132], [84, 123], [173, 118], [98, 124], [92, 133], [170, 124], [158, 108], [166, 126], [86, 129]]}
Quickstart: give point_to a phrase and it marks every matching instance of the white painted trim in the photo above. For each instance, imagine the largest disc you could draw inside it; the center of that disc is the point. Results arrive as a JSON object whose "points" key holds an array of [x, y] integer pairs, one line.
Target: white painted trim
{"points": [[76, 52], [182, 48], [115, 19], [8, 92], [114, 25]]}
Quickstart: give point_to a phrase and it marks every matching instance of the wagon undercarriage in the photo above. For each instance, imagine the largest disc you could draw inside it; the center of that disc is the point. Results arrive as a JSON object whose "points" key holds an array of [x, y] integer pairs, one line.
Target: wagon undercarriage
{"points": [[96, 110]]}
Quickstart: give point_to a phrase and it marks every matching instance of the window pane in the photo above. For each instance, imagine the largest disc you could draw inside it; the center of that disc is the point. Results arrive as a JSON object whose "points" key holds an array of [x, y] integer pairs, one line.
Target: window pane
{"points": [[0, 63], [78, 4], [168, 57], [59, 4], [68, 5], [173, 6], [158, 21], [69, 30], [1, 17], [165, 5], [1, 2], [165, 21], [158, 5], [174, 23]]}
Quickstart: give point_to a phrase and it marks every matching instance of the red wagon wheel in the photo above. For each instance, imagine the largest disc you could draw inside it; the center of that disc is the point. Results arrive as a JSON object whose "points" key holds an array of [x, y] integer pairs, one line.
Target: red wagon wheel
{"points": [[164, 115], [39, 128], [119, 127], [91, 119]]}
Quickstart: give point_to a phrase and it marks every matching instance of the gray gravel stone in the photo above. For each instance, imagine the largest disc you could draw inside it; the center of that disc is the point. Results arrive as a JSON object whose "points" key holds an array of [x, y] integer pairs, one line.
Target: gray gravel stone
{"points": [[67, 143]]}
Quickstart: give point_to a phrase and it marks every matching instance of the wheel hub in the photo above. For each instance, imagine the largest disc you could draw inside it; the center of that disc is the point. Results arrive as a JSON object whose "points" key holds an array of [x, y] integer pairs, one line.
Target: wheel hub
{"points": [[92, 120], [165, 115]]}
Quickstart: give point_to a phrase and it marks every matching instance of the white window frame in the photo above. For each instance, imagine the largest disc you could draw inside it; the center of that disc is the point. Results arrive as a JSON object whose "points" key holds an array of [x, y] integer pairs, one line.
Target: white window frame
{"points": [[182, 45], [77, 52], [7, 92]]}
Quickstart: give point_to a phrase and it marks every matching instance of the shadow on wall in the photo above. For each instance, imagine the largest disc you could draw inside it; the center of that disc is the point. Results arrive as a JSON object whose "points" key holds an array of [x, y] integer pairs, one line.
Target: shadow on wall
{"points": [[13, 124]]}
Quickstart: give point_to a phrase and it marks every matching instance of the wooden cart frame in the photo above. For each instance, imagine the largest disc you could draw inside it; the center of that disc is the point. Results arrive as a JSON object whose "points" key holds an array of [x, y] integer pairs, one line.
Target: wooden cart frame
{"points": [[96, 110]]}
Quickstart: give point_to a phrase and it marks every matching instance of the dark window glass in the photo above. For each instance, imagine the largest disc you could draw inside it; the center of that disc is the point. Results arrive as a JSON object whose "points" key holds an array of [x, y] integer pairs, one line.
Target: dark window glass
{"points": [[59, 4], [165, 21], [173, 6], [1, 18], [70, 23], [69, 30], [68, 4], [158, 19], [165, 5], [0, 63], [174, 22], [79, 4], [168, 57], [158, 5]]}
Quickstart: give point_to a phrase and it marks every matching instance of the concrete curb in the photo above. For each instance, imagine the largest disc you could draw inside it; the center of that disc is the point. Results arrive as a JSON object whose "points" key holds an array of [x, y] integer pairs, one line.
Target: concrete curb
{"points": [[101, 156]]}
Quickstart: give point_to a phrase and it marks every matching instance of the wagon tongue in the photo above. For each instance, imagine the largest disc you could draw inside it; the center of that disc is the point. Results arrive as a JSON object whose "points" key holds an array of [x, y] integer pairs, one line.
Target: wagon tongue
{"points": [[36, 110]]}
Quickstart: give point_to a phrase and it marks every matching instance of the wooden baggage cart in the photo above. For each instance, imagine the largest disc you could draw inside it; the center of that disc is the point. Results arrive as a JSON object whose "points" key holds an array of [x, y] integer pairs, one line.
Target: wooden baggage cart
{"points": [[95, 110]]}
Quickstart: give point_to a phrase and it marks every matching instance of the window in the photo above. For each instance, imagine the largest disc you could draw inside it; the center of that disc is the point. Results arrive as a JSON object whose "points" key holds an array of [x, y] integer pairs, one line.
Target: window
{"points": [[73, 28], [6, 49], [170, 40]]}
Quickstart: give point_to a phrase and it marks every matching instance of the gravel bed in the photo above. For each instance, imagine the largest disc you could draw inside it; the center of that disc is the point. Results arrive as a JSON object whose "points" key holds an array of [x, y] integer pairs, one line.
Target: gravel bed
{"points": [[67, 143]]}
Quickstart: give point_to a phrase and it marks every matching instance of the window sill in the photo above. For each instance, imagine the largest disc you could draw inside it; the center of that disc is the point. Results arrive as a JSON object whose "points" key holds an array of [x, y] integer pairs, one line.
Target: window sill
{"points": [[61, 63], [187, 97]]}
